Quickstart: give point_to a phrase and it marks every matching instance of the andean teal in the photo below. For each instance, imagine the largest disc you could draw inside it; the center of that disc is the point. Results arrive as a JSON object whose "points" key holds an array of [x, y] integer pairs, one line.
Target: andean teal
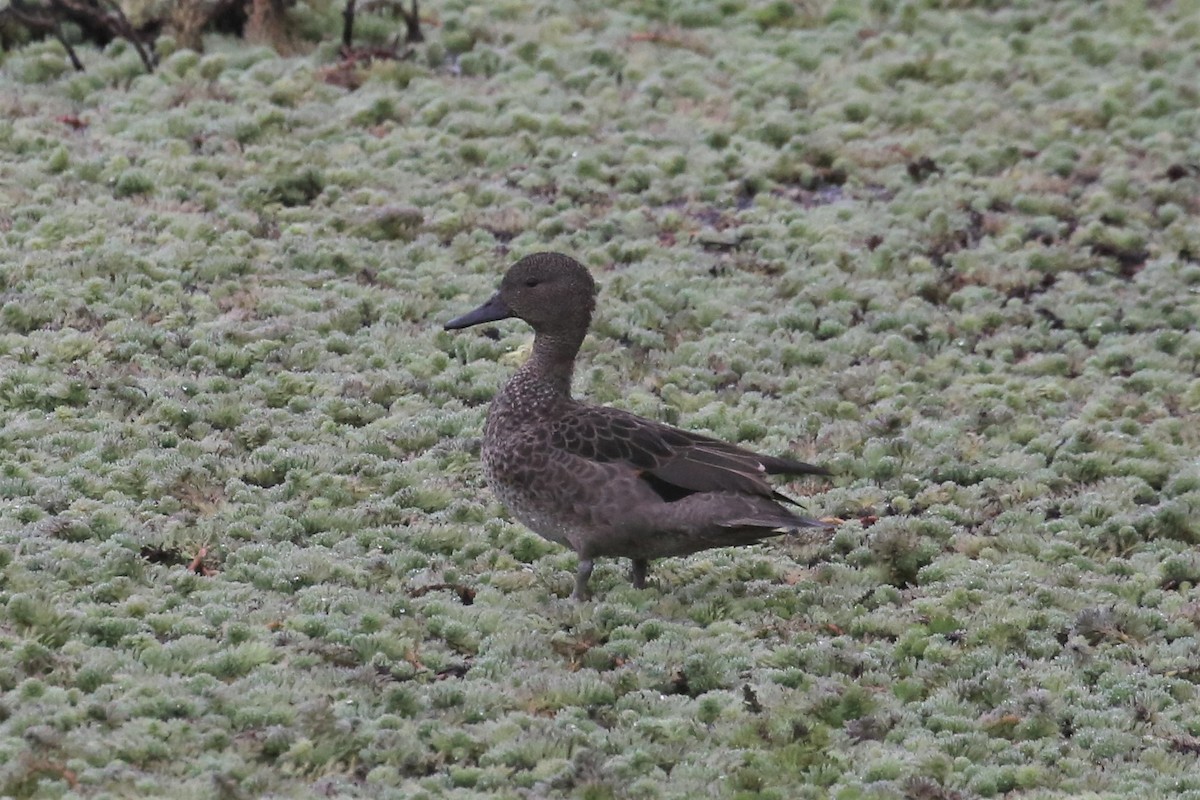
{"points": [[600, 480]]}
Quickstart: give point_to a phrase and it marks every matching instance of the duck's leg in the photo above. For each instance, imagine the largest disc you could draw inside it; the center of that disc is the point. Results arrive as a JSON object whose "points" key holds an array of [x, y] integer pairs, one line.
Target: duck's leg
{"points": [[637, 574], [582, 573]]}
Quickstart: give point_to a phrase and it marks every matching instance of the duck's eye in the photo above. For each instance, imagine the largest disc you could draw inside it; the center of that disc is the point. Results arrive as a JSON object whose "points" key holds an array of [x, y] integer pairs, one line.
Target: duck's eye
{"points": [[531, 282]]}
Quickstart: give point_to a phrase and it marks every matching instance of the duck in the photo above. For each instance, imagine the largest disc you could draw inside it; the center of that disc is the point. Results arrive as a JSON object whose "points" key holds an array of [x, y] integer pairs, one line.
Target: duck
{"points": [[600, 480]]}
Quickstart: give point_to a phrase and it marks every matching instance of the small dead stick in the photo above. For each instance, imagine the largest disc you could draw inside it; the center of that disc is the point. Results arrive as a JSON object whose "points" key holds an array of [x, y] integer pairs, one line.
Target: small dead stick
{"points": [[671, 39], [45, 766], [465, 593]]}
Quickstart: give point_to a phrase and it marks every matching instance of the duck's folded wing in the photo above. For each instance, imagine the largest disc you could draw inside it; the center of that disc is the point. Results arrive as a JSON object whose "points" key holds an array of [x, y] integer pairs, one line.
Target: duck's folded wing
{"points": [[689, 461]]}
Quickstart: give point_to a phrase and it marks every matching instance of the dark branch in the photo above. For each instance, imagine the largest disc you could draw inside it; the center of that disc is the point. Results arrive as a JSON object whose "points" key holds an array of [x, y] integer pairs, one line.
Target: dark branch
{"points": [[126, 30], [348, 25], [412, 21], [48, 23], [58, 34]]}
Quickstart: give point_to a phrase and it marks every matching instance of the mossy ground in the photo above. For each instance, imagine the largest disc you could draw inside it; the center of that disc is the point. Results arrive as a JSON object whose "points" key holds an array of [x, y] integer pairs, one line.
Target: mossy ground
{"points": [[950, 249]]}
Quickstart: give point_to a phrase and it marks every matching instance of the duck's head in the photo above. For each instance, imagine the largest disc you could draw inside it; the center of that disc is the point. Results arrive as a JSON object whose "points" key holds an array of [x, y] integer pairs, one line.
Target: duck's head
{"points": [[552, 292]]}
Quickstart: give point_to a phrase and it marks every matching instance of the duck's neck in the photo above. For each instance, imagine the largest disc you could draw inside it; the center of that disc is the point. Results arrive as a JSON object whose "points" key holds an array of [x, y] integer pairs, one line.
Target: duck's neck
{"points": [[553, 360]]}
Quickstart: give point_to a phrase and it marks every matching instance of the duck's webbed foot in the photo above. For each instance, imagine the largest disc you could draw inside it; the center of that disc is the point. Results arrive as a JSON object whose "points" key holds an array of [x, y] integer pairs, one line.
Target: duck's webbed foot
{"points": [[637, 573], [582, 574]]}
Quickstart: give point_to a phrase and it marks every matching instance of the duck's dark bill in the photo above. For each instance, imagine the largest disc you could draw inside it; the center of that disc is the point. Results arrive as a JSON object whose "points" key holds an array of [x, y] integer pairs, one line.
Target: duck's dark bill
{"points": [[492, 310]]}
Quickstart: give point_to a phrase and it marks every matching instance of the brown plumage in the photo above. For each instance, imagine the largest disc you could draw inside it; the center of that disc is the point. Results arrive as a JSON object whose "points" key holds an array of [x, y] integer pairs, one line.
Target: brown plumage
{"points": [[600, 480]]}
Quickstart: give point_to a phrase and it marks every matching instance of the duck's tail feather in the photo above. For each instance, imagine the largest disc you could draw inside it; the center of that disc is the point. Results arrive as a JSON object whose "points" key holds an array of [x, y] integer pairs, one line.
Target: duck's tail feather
{"points": [[786, 466], [777, 525]]}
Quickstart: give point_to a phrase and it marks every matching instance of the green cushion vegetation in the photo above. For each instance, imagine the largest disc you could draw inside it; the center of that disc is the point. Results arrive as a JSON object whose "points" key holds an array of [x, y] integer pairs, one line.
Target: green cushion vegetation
{"points": [[949, 249]]}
